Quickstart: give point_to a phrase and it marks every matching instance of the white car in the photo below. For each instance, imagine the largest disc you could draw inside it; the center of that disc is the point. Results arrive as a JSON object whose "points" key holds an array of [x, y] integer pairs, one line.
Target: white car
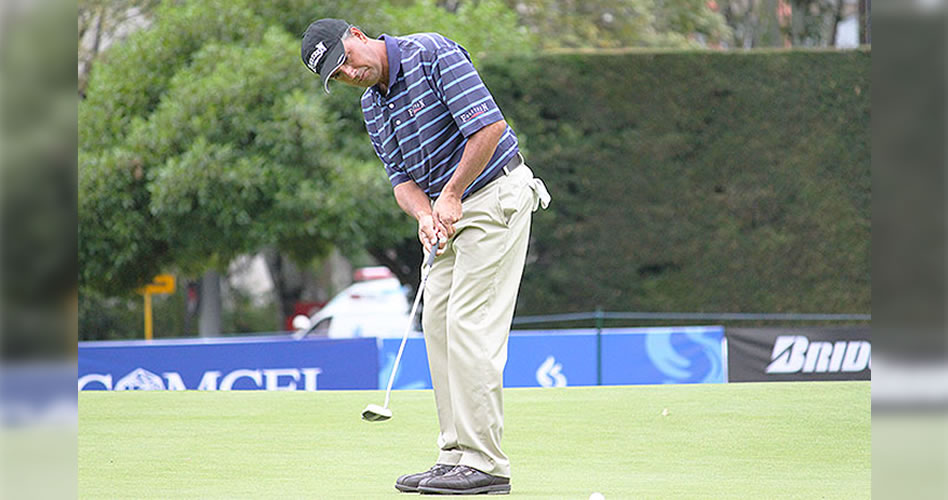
{"points": [[373, 308]]}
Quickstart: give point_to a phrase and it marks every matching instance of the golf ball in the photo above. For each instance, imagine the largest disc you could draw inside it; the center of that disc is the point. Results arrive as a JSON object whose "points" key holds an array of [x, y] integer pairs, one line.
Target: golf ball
{"points": [[597, 496]]}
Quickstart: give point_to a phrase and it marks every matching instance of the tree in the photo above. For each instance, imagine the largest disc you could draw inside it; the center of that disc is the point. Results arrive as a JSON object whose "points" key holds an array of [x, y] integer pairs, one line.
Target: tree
{"points": [[198, 143], [101, 22], [483, 28], [796, 23], [622, 23], [202, 137]]}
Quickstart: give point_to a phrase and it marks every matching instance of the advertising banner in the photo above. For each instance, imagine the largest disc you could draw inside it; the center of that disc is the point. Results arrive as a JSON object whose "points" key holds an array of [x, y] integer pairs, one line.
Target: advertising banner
{"points": [[666, 355], [774, 354], [250, 363], [412, 369], [561, 358], [534, 359], [551, 359]]}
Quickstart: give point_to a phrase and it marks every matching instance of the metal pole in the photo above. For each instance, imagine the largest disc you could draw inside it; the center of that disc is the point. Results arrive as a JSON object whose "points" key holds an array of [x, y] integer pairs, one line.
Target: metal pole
{"points": [[599, 317]]}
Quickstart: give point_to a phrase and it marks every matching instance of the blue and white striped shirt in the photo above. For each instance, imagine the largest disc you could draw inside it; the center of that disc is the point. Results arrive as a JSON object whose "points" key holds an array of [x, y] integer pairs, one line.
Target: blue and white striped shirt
{"points": [[435, 101]]}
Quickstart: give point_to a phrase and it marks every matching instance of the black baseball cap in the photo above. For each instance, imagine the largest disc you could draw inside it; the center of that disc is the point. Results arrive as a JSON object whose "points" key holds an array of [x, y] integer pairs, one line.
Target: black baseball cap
{"points": [[322, 50]]}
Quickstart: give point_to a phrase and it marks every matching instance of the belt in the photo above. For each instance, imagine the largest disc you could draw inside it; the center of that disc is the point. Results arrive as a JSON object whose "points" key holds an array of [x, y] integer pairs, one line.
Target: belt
{"points": [[511, 165]]}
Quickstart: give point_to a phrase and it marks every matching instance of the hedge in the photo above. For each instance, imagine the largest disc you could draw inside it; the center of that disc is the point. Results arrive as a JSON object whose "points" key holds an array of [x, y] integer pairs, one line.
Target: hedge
{"points": [[695, 181]]}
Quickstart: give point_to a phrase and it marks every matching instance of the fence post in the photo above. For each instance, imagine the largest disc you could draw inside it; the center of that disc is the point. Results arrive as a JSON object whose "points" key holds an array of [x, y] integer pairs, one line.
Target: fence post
{"points": [[599, 320]]}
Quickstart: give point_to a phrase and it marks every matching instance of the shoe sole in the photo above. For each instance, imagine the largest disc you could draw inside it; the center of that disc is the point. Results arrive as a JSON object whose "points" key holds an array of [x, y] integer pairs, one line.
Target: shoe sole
{"points": [[406, 489], [495, 489]]}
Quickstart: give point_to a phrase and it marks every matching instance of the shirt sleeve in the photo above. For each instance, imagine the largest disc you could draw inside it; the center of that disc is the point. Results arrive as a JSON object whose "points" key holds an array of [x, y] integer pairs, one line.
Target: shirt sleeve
{"points": [[460, 87], [396, 175]]}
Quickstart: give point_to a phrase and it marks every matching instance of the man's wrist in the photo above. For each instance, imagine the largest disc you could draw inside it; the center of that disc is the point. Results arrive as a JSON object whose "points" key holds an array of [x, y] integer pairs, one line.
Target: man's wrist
{"points": [[422, 214], [451, 191]]}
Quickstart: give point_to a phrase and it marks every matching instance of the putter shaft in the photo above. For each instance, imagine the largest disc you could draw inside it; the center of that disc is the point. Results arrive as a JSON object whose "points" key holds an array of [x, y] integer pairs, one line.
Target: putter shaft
{"points": [[411, 321]]}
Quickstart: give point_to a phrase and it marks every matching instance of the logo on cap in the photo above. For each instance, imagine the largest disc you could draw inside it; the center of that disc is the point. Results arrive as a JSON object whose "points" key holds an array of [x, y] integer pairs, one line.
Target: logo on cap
{"points": [[317, 54]]}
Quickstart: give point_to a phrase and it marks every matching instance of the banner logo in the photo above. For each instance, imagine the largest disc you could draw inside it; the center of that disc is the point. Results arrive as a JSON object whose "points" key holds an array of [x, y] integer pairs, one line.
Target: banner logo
{"points": [[549, 374], [140, 380], [796, 354], [270, 379]]}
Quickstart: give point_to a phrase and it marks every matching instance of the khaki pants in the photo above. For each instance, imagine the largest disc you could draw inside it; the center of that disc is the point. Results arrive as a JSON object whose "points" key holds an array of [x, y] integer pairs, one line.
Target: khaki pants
{"points": [[469, 304]]}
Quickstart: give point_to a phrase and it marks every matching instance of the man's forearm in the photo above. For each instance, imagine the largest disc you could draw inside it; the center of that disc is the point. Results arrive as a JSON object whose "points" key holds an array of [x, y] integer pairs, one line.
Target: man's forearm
{"points": [[477, 152], [416, 203], [412, 199]]}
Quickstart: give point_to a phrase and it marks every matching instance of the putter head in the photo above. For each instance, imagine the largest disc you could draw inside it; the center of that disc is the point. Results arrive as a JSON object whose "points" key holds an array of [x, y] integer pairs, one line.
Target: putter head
{"points": [[375, 413]]}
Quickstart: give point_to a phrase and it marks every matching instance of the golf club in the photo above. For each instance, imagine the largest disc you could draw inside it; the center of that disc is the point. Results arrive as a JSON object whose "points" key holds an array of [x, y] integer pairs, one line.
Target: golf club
{"points": [[376, 413]]}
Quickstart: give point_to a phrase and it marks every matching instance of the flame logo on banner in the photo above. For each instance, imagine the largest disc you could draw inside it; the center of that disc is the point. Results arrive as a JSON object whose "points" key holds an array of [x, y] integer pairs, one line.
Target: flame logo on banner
{"points": [[548, 375]]}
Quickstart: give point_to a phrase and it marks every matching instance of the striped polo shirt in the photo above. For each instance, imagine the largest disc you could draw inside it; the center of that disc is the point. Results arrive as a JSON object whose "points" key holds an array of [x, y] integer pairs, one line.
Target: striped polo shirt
{"points": [[435, 101]]}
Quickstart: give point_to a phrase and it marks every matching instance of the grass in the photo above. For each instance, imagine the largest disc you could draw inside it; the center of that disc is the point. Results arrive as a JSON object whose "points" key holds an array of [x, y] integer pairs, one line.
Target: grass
{"points": [[776, 440]]}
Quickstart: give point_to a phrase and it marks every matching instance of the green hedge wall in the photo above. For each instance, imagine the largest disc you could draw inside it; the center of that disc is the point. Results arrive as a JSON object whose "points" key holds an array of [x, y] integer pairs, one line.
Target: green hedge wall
{"points": [[695, 181]]}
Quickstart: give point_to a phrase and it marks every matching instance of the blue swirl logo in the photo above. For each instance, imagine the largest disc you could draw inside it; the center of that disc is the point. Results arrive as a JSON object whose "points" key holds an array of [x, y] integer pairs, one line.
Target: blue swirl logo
{"points": [[686, 357]]}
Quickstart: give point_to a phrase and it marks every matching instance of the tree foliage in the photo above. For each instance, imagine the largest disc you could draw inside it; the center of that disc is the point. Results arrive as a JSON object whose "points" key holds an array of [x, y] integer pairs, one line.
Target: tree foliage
{"points": [[622, 23], [103, 22], [466, 26], [203, 138]]}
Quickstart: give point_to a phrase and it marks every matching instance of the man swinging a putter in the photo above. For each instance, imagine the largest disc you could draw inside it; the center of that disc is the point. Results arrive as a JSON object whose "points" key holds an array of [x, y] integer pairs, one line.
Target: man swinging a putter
{"points": [[455, 166]]}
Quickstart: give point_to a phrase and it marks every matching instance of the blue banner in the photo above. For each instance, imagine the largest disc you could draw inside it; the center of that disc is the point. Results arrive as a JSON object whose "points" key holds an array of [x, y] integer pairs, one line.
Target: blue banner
{"points": [[560, 358], [413, 367], [249, 363], [673, 355], [536, 358]]}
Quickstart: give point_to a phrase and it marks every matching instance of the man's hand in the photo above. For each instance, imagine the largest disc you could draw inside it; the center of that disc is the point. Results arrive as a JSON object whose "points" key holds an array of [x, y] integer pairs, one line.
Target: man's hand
{"points": [[415, 202], [429, 235], [477, 152], [446, 213]]}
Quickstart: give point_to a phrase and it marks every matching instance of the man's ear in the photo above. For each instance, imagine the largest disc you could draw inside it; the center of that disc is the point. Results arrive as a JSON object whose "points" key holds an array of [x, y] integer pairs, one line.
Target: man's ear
{"points": [[356, 32]]}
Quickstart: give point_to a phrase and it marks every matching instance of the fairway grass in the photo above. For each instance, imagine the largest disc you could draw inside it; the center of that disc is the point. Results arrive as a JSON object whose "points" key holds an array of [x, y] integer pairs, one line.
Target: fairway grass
{"points": [[761, 441]]}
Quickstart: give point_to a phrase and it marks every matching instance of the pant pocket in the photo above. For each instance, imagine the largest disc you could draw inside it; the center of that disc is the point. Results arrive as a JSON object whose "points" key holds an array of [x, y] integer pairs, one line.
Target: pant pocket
{"points": [[510, 198]]}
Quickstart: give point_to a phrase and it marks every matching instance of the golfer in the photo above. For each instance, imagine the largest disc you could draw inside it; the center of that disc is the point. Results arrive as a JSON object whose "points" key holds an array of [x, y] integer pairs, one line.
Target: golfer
{"points": [[456, 168]]}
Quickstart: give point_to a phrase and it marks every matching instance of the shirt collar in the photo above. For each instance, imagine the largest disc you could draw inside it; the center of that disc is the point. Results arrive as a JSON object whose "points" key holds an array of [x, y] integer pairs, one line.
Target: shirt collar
{"points": [[394, 60]]}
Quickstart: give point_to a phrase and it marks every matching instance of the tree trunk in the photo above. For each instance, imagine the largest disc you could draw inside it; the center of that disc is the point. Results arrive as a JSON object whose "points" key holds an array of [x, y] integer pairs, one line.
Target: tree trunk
{"points": [[86, 69], [209, 324], [837, 18], [403, 259], [192, 302], [336, 274], [450, 5], [289, 282], [767, 33], [292, 285], [798, 22], [865, 22]]}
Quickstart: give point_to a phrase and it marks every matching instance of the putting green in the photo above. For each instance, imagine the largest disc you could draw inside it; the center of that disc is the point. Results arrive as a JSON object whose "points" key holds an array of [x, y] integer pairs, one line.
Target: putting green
{"points": [[775, 440]]}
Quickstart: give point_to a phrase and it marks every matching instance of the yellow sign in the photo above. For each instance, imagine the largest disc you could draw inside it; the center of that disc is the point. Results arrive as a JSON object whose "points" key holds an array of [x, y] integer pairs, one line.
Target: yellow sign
{"points": [[163, 283]]}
